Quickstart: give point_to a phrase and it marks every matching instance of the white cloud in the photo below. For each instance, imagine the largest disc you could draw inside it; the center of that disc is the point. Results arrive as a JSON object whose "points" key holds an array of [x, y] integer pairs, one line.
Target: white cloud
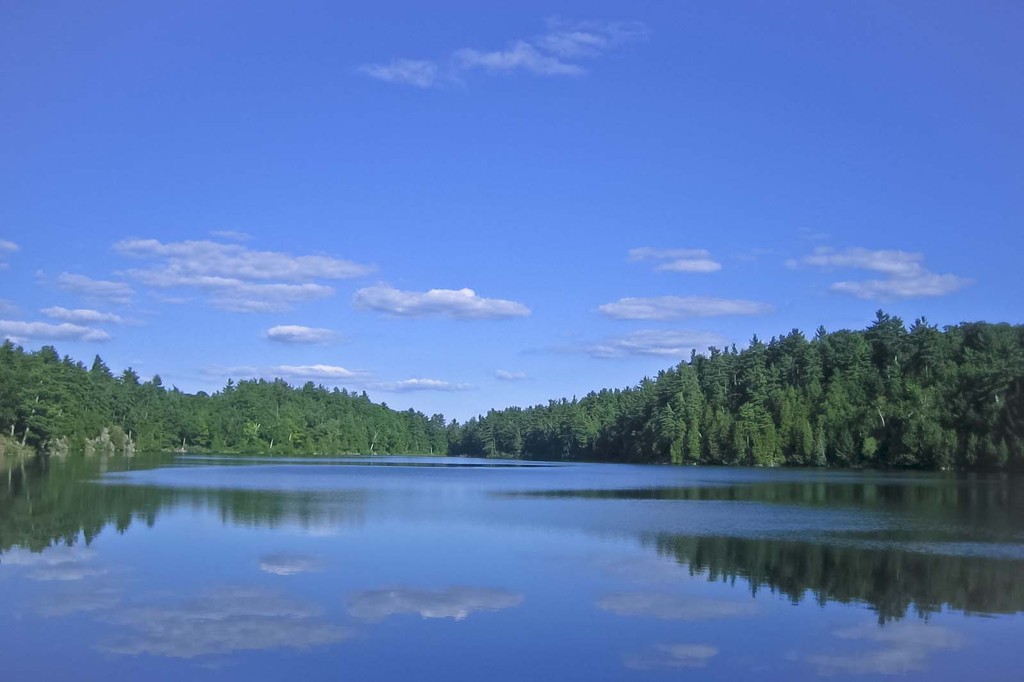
{"points": [[420, 73], [702, 265], [114, 292], [553, 53], [461, 304], [905, 647], [235, 295], [924, 284], [290, 564], [293, 333], [231, 235], [905, 273], [223, 621], [19, 331], [332, 372], [7, 307], [672, 656], [455, 602], [670, 607], [187, 259], [673, 307], [589, 38], [508, 375], [235, 277], [521, 55], [82, 315], [408, 385], [676, 260], [6, 247], [656, 342]]}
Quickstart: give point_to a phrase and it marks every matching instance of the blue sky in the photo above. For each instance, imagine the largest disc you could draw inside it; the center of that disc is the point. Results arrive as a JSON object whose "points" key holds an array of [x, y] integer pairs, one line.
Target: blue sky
{"points": [[456, 206]]}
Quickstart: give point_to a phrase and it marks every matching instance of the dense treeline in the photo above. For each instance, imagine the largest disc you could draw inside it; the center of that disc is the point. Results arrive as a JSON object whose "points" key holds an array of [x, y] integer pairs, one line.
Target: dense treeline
{"points": [[882, 397], [57, 405]]}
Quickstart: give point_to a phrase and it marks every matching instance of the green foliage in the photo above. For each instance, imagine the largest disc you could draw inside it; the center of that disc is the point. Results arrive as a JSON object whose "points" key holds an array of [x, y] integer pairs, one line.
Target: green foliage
{"points": [[882, 397], [46, 401]]}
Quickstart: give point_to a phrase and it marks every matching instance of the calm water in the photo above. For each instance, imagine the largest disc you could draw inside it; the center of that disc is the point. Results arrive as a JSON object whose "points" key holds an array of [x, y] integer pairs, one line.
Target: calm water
{"points": [[422, 569]]}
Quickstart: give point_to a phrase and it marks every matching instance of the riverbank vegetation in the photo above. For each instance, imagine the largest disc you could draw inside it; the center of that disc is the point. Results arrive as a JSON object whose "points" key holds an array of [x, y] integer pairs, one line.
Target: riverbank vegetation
{"points": [[885, 396]]}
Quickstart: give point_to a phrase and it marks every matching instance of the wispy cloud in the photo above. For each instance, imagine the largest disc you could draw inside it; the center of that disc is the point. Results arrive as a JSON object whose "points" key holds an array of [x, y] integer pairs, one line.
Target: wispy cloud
{"points": [[672, 656], [419, 73], [6, 247], [905, 275], [902, 648], [455, 602], [656, 342], [231, 235], [82, 315], [671, 607], [331, 372], [215, 259], [234, 277], [519, 56], [409, 385], [556, 52], [508, 375], [222, 621], [97, 289], [20, 331], [335, 375], [674, 307], [460, 304], [676, 260], [293, 333]]}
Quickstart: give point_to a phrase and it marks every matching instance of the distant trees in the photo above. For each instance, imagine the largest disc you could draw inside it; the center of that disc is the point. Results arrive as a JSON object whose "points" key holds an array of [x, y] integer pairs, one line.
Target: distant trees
{"points": [[886, 396], [882, 397], [46, 400]]}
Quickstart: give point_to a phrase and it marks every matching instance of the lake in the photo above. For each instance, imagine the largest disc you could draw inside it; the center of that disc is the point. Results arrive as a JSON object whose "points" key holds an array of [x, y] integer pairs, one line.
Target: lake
{"points": [[459, 569]]}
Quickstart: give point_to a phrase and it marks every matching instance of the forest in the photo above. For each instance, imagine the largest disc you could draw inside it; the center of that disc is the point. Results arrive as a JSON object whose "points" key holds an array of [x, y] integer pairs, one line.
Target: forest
{"points": [[58, 406], [882, 397], [885, 397]]}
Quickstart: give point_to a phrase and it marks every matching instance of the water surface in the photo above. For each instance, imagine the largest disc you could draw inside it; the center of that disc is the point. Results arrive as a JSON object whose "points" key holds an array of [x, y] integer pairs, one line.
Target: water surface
{"points": [[456, 569]]}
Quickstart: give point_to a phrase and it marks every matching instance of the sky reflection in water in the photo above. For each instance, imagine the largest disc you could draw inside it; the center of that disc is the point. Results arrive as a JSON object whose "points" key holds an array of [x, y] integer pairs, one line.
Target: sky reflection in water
{"points": [[403, 569]]}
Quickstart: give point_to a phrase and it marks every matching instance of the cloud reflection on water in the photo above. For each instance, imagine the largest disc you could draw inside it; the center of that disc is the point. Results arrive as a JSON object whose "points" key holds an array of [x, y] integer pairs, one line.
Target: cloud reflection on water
{"points": [[671, 607], [671, 656], [223, 621], [454, 602], [903, 648], [290, 564], [57, 563]]}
